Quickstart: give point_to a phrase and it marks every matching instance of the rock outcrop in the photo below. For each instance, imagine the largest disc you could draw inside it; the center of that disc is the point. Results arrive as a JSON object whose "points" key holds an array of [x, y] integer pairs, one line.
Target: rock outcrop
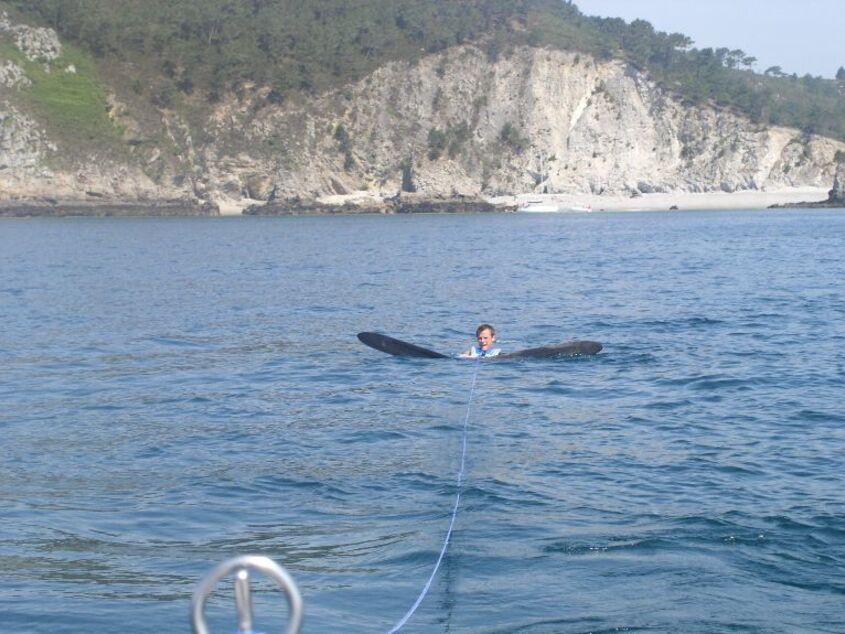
{"points": [[105, 207], [38, 44], [400, 204], [837, 193], [23, 145], [12, 76], [835, 197]]}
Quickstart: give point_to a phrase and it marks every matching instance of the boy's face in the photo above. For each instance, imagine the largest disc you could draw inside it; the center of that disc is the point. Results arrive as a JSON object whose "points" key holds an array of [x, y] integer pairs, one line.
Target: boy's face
{"points": [[486, 339]]}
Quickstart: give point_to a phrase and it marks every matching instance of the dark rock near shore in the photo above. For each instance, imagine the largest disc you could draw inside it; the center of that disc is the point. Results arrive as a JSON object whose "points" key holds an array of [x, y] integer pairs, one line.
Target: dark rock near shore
{"points": [[820, 204], [49, 207], [448, 206], [835, 197], [299, 207], [400, 204], [837, 194]]}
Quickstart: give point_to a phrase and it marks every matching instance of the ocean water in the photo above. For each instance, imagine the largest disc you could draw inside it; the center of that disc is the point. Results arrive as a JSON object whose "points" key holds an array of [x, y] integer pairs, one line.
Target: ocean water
{"points": [[174, 392]]}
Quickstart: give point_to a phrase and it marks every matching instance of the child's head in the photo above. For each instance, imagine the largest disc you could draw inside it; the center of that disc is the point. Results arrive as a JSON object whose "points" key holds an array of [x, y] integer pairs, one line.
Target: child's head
{"points": [[486, 335]]}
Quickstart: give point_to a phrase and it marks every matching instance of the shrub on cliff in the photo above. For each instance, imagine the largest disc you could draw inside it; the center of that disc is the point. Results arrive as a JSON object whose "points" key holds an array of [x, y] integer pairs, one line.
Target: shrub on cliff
{"points": [[293, 45]]}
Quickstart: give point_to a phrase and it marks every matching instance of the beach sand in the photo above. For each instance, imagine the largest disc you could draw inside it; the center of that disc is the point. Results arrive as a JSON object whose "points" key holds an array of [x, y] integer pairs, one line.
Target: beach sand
{"points": [[682, 200], [235, 207]]}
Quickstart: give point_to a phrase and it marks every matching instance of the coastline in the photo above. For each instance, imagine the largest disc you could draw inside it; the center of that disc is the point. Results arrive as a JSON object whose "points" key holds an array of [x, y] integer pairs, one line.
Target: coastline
{"points": [[367, 202], [677, 201], [57, 208], [371, 203]]}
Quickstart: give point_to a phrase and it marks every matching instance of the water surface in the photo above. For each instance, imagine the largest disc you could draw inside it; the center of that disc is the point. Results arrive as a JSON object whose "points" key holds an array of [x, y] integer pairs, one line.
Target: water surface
{"points": [[178, 391]]}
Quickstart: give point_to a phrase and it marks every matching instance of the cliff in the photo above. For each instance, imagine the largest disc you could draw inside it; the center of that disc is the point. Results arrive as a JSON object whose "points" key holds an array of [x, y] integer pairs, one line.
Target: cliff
{"points": [[452, 124]]}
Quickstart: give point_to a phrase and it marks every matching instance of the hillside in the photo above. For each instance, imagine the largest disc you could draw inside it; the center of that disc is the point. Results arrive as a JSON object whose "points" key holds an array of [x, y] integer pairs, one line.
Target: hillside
{"points": [[265, 100], [187, 51]]}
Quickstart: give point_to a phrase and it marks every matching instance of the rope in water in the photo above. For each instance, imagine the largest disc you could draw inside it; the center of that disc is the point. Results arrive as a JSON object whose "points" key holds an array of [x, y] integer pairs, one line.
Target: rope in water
{"points": [[445, 547]]}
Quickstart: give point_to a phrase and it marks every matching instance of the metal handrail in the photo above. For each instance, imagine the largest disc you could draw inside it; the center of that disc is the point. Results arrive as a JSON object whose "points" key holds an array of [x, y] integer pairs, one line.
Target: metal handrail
{"points": [[240, 566]]}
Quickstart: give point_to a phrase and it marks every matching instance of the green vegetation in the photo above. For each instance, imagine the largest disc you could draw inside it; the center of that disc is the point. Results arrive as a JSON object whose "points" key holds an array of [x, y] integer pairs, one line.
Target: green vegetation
{"points": [[344, 145], [436, 143], [510, 136], [74, 102], [10, 53], [187, 51], [450, 140], [67, 97], [407, 167]]}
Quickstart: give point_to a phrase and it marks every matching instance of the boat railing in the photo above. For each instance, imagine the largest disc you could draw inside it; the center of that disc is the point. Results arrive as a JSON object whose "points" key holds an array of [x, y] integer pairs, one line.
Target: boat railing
{"points": [[239, 567]]}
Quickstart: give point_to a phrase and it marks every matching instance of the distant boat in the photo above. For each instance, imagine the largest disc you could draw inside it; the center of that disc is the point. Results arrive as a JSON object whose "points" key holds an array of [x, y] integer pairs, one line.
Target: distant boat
{"points": [[538, 206]]}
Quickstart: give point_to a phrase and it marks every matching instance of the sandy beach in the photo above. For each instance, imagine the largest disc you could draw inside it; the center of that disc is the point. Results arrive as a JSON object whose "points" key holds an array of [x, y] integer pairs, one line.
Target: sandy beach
{"points": [[680, 200], [374, 202]]}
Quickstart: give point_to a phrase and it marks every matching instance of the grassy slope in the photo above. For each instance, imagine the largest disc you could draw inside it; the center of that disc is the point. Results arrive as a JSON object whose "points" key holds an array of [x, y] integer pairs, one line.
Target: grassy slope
{"points": [[70, 106]]}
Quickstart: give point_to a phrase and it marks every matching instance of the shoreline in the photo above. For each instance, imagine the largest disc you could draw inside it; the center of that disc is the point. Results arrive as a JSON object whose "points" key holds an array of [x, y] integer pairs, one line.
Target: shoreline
{"points": [[746, 200], [370, 203], [57, 208]]}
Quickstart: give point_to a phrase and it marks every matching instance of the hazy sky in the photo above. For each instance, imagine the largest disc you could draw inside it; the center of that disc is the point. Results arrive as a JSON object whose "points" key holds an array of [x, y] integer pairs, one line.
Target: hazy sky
{"points": [[800, 36]]}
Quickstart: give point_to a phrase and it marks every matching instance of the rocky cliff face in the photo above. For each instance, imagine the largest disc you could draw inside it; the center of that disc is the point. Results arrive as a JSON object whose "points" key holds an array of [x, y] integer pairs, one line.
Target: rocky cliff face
{"points": [[452, 124], [540, 121]]}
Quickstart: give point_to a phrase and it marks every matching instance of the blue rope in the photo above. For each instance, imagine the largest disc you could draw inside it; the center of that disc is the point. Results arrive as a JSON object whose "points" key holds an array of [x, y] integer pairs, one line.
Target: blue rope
{"points": [[420, 598]]}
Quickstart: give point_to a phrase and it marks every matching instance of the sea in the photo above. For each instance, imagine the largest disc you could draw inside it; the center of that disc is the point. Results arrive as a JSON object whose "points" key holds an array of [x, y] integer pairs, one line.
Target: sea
{"points": [[175, 392]]}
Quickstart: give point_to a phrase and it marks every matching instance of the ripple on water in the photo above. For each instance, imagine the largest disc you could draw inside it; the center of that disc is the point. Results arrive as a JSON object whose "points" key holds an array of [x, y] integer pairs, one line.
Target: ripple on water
{"points": [[161, 413]]}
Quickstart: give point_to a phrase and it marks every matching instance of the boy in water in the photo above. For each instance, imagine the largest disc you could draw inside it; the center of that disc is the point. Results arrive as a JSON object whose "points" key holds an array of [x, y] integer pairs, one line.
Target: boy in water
{"points": [[485, 334]]}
